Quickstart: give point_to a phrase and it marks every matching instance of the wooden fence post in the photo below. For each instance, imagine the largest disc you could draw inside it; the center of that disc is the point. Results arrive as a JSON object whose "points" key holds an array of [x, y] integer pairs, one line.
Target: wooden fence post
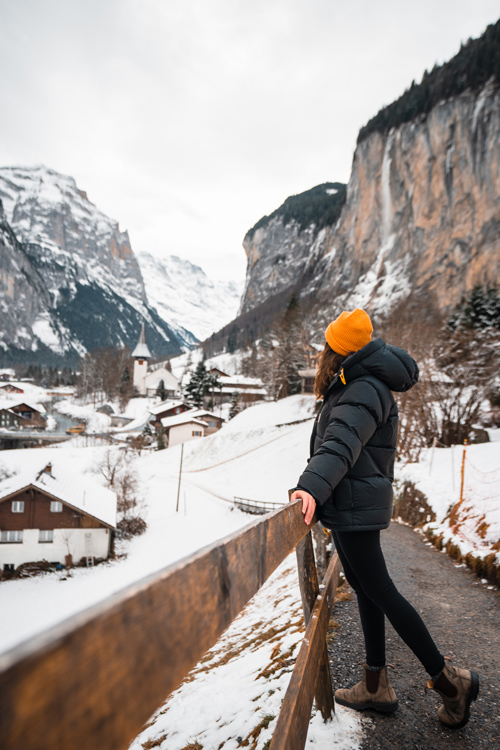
{"points": [[309, 590]]}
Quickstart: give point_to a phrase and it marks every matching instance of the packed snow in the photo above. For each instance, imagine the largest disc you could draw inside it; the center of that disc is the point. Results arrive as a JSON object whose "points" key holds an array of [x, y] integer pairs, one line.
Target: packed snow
{"points": [[473, 523]]}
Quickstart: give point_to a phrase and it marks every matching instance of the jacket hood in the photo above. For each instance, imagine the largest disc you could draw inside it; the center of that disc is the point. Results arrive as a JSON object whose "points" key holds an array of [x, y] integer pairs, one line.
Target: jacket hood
{"points": [[391, 365]]}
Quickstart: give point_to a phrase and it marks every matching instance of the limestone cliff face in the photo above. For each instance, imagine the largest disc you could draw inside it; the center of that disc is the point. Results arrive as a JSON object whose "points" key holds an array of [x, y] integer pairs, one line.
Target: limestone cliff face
{"points": [[422, 217]]}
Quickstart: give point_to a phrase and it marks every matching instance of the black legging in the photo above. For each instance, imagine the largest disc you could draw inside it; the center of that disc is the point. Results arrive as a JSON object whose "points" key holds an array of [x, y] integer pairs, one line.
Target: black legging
{"points": [[366, 571]]}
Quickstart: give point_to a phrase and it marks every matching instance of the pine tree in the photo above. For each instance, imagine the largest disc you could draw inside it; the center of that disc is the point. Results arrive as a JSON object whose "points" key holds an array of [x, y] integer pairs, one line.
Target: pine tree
{"points": [[161, 391], [198, 385]]}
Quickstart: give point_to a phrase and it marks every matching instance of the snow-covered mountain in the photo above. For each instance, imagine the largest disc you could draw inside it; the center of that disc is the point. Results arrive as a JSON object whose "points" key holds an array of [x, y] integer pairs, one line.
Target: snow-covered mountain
{"points": [[183, 294], [81, 283]]}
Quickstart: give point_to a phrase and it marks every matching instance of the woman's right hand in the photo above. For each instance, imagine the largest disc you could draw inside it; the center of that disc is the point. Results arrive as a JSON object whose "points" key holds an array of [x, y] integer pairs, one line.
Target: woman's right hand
{"points": [[308, 504]]}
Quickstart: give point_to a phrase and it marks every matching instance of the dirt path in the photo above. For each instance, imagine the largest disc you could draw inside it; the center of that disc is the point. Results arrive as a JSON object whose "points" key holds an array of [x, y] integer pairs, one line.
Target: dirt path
{"points": [[464, 618]]}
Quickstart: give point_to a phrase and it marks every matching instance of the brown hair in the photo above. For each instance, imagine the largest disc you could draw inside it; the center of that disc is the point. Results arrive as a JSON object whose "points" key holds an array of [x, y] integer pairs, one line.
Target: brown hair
{"points": [[328, 366]]}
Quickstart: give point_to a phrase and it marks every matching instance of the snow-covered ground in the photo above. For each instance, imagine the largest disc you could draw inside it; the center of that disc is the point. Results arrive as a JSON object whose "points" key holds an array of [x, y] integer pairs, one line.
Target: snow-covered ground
{"points": [[258, 455], [473, 524]]}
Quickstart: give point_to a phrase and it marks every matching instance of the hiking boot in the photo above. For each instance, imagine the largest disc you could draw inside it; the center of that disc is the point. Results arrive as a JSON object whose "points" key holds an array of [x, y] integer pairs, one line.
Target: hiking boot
{"points": [[457, 688], [380, 697]]}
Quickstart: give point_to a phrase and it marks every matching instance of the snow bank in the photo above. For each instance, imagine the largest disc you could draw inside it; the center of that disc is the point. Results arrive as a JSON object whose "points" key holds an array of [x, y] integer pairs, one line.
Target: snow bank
{"points": [[230, 698], [473, 524]]}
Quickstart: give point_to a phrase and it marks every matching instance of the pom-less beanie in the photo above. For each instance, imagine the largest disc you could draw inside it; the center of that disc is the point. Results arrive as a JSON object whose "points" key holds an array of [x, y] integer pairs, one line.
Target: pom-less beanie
{"points": [[349, 332]]}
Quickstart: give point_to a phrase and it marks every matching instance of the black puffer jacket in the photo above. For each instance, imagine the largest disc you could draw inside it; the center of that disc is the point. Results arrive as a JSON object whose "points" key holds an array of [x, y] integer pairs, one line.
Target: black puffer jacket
{"points": [[353, 442]]}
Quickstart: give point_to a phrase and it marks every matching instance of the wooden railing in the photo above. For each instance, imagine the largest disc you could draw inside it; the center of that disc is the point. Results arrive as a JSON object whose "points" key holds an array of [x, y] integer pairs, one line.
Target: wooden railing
{"points": [[94, 680]]}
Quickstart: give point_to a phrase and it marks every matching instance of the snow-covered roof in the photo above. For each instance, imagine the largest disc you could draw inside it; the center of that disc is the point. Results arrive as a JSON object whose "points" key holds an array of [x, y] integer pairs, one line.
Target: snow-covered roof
{"points": [[203, 413], [153, 379], [240, 381], [165, 405], [75, 490], [141, 351], [179, 419], [32, 406]]}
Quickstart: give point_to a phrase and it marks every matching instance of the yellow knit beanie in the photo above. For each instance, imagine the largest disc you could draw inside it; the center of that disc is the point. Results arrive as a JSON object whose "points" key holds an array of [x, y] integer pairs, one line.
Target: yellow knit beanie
{"points": [[349, 332]]}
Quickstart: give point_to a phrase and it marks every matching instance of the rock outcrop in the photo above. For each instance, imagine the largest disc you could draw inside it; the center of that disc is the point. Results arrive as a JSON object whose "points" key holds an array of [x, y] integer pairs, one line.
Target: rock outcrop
{"points": [[421, 219]]}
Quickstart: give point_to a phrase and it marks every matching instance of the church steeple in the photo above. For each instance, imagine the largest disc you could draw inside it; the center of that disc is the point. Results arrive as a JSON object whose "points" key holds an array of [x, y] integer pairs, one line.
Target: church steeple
{"points": [[141, 351], [141, 354]]}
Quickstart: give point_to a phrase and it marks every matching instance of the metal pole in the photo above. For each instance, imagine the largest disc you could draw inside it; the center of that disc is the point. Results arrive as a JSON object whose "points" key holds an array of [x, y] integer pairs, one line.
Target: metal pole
{"points": [[452, 469], [463, 473], [432, 454], [180, 474]]}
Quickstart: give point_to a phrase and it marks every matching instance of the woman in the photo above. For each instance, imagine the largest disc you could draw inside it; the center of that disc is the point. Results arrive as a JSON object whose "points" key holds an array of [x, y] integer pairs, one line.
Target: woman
{"points": [[348, 482]]}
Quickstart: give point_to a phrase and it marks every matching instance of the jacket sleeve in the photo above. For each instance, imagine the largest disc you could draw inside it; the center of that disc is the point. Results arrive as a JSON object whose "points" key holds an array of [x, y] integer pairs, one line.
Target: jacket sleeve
{"points": [[353, 420]]}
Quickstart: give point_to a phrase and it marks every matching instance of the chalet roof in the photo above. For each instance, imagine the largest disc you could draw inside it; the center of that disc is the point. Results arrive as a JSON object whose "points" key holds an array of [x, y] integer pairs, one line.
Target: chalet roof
{"points": [[200, 413], [34, 407], [179, 419], [77, 491], [166, 405], [141, 351], [308, 372]]}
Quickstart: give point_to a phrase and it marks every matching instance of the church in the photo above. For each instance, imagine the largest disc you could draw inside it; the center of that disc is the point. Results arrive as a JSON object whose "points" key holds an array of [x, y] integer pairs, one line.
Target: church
{"points": [[147, 380]]}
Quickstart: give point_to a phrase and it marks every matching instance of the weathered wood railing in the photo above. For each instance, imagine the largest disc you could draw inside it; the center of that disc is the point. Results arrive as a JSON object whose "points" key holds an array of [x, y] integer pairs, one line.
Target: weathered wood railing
{"points": [[94, 680]]}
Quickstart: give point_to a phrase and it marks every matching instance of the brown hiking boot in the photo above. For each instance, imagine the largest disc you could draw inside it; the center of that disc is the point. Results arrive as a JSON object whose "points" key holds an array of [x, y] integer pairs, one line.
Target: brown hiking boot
{"points": [[359, 697], [456, 710]]}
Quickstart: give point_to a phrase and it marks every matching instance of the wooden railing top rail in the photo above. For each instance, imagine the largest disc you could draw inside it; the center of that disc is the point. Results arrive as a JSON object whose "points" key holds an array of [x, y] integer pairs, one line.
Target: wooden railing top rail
{"points": [[95, 679]]}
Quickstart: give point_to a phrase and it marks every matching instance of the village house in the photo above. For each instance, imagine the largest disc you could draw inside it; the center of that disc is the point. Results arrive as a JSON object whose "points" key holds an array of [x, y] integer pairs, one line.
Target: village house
{"points": [[33, 414], [51, 514], [166, 409], [214, 421], [11, 388], [10, 419], [307, 377], [155, 377], [181, 428], [249, 390]]}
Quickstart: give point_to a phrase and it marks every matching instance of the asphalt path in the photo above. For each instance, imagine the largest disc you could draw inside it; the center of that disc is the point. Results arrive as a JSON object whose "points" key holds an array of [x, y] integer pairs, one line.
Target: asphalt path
{"points": [[463, 616]]}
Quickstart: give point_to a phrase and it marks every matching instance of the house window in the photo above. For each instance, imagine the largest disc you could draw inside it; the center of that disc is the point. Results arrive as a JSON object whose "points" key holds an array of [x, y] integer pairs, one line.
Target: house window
{"points": [[18, 506], [46, 536], [55, 507], [9, 567], [196, 433], [11, 537]]}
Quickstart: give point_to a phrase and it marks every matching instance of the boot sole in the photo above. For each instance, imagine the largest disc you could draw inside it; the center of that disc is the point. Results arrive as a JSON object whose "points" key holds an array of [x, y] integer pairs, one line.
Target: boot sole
{"points": [[383, 708], [473, 693]]}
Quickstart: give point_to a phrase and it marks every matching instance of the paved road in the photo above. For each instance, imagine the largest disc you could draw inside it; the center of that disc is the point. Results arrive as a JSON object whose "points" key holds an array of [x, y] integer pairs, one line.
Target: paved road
{"points": [[463, 616]]}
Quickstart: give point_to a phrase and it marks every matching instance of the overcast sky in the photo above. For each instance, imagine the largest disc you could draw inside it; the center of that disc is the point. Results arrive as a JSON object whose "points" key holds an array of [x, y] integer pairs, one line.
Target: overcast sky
{"points": [[187, 120]]}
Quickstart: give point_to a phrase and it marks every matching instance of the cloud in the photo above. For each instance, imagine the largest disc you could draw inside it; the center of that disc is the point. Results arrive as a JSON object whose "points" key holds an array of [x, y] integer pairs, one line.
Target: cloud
{"points": [[187, 120]]}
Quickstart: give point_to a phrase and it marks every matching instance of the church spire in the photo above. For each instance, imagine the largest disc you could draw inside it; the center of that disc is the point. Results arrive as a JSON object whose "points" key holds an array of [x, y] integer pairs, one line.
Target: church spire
{"points": [[141, 351]]}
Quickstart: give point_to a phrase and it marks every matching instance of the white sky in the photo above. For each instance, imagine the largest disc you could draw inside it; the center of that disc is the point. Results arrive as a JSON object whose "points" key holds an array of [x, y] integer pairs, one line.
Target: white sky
{"points": [[187, 120]]}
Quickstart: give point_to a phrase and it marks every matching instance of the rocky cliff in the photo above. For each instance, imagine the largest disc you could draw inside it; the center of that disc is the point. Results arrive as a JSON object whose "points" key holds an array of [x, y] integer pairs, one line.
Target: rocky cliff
{"points": [[421, 219]]}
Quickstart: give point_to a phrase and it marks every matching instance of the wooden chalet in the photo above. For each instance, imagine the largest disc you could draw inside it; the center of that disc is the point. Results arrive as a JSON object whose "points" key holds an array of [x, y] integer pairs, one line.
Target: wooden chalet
{"points": [[10, 419], [11, 388], [52, 514], [33, 415], [308, 376], [166, 409], [214, 421]]}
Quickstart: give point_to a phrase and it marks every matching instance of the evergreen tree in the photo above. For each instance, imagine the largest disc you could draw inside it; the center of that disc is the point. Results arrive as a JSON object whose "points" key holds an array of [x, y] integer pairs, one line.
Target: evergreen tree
{"points": [[198, 385], [161, 391], [235, 406]]}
